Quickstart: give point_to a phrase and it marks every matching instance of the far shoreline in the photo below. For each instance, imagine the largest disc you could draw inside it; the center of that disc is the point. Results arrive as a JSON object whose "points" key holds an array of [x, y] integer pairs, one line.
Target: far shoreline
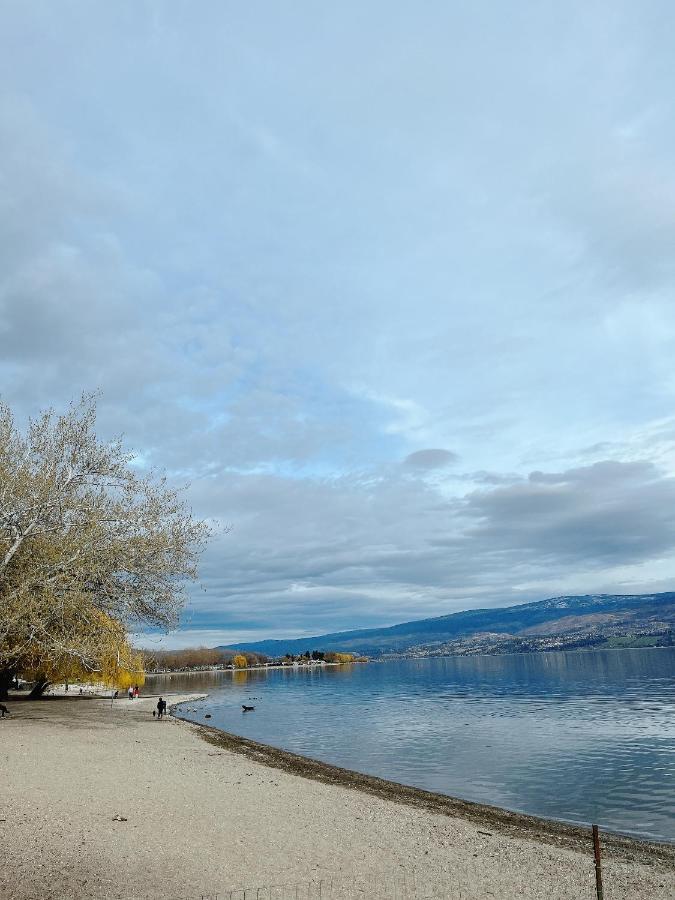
{"points": [[388, 659], [228, 671]]}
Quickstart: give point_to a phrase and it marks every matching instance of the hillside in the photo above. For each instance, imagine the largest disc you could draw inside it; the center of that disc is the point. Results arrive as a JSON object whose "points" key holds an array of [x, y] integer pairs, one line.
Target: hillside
{"points": [[600, 615]]}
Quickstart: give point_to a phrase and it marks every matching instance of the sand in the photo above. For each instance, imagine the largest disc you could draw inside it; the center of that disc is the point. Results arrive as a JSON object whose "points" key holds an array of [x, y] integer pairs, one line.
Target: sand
{"points": [[101, 802]]}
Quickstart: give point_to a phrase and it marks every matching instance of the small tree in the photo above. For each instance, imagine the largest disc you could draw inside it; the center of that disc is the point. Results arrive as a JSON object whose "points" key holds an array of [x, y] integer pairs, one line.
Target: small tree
{"points": [[240, 661], [88, 546]]}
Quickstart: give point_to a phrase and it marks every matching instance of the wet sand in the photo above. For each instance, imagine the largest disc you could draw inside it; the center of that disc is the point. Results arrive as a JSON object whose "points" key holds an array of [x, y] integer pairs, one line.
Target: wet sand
{"points": [[107, 802]]}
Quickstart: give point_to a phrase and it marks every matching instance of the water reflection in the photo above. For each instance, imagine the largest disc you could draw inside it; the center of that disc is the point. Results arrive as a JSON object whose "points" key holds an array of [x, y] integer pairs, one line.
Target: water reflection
{"points": [[577, 736]]}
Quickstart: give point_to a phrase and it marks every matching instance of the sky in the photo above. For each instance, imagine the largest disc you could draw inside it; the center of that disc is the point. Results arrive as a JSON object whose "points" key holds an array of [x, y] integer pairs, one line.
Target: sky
{"points": [[391, 285]]}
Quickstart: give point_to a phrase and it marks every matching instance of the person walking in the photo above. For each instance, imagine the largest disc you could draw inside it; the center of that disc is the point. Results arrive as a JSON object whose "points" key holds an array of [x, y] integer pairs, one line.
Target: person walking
{"points": [[161, 706], [131, 693], [135, 692]]}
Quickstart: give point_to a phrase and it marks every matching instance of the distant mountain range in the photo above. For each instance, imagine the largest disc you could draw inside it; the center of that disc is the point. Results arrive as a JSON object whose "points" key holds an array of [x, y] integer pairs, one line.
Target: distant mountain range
{"points": [[558, 623]]}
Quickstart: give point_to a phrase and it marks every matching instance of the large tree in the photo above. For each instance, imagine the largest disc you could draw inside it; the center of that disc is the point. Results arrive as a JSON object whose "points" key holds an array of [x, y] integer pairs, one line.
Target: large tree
{"points": [[89, 546]]}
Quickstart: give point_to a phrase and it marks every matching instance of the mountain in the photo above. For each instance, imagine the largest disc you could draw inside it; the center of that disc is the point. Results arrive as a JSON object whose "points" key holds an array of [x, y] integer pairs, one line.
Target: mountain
{"points": [[602, 615]]}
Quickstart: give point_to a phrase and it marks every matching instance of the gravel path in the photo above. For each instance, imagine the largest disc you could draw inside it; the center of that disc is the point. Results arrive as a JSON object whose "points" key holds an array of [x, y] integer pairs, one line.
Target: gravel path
{"points": [[101, 802]]}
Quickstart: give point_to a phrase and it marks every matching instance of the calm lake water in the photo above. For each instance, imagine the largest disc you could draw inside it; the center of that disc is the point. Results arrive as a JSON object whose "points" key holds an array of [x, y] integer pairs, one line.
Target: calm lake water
{"points": [[582, 737]]}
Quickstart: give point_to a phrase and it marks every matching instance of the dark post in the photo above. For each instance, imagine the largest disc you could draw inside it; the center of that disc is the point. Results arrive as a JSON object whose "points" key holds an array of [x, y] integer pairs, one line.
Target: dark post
{"points": [[598, 869]]}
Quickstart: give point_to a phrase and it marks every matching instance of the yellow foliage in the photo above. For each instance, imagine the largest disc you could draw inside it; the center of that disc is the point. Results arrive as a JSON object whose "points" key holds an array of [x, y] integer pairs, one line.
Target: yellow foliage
{"points": [[121, 665], [66, 669], [105, 656], [341, 658], [240, 661], [123, 671]]}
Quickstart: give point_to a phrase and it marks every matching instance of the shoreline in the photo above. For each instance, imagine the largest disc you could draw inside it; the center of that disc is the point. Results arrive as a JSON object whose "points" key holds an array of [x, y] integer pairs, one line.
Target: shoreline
{"points": [[105, 801], [517, 824]]}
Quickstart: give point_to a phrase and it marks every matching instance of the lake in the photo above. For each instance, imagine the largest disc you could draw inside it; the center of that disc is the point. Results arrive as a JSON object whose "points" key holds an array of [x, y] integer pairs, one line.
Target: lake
{"points": [[582, 737]]}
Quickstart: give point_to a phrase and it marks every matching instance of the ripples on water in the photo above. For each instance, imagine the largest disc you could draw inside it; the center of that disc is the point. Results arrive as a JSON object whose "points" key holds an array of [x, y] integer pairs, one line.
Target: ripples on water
{"points": [[583, 737]]}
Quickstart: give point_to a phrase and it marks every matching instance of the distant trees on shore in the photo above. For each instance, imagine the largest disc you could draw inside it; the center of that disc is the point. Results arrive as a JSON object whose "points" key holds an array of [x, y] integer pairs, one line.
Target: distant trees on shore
{"points": [[195, 658], [341, 657], [330, 656], [88, 548]]}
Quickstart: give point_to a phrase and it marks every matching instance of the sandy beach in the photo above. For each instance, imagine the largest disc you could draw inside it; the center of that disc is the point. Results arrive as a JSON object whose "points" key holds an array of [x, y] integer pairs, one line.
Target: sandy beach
{"points": [[104, 801]]}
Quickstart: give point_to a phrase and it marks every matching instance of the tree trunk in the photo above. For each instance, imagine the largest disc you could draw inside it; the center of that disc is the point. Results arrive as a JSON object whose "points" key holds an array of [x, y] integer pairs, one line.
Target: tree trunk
{"points": [[38, 689], [6, 678]]}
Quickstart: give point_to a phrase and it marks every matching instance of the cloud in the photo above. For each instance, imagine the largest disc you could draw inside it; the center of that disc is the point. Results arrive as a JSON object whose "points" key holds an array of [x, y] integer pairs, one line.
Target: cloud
{"points": [[313, 556], [610, 513], [430, 459], [295, 282]]}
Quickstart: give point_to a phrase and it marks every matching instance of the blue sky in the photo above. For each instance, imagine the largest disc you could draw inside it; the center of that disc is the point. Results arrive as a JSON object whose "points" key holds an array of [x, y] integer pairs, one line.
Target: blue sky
{"points": [[390, 284]]}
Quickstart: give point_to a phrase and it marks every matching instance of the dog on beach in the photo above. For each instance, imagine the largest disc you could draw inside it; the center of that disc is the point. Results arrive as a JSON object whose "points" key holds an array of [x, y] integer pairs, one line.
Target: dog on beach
{"points": [[3, 710], [247, 708]]}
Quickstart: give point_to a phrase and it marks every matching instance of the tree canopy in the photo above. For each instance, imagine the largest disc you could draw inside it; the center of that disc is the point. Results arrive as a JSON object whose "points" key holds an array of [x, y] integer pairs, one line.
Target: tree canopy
{"points": [[89, 547]]}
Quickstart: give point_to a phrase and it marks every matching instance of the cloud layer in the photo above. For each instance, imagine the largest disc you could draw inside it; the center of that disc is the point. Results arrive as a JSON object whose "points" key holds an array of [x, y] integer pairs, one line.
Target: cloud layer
{"points": [[391, 287]]}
